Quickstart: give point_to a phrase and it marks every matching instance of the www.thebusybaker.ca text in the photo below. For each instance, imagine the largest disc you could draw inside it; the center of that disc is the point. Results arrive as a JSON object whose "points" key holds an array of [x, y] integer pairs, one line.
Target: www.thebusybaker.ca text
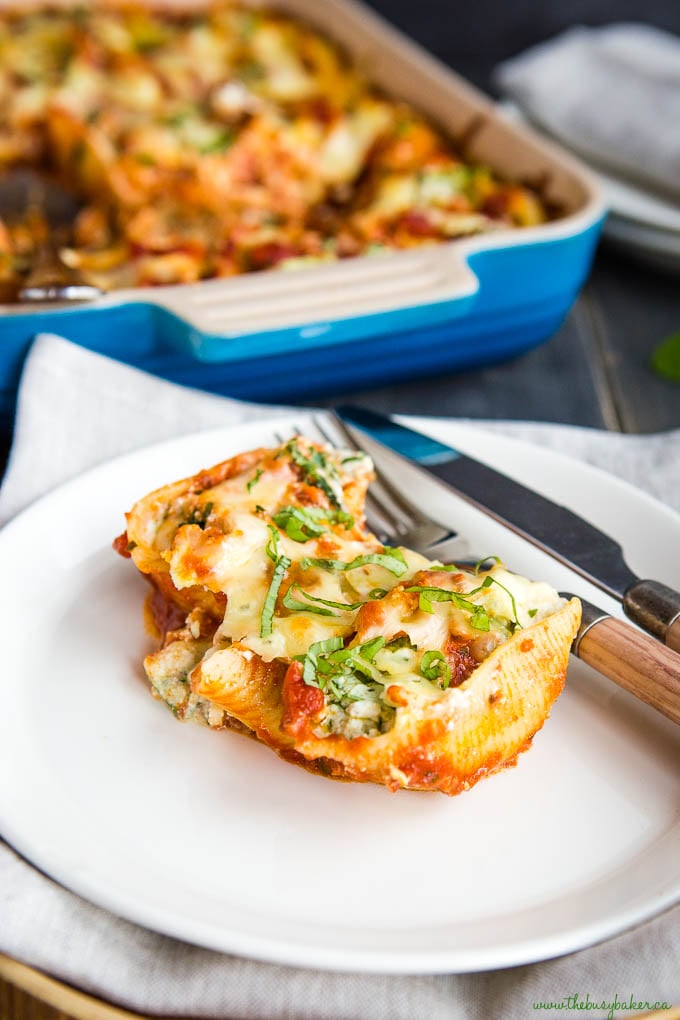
{"points": [[609, 1006]]}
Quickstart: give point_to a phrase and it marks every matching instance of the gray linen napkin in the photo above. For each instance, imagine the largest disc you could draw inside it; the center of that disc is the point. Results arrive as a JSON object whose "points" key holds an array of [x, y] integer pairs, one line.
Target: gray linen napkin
{"points": [[75, 410], [612, 94]]}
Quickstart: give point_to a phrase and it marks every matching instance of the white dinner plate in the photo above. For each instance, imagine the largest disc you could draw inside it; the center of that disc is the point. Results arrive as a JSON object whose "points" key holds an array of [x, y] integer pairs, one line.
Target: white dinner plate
{"points": [[643, 223], [658, 248], [636, 205], [211, 838]]}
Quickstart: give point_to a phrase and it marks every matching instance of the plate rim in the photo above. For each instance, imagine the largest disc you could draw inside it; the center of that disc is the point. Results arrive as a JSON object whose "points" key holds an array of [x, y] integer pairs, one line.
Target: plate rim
{"points": [[309, 955]]}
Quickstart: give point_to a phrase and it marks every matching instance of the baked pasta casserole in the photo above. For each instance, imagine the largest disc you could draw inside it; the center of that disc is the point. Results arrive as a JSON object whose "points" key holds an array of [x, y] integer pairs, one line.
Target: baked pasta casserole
{"points": [[280, 615], [219, 142]]}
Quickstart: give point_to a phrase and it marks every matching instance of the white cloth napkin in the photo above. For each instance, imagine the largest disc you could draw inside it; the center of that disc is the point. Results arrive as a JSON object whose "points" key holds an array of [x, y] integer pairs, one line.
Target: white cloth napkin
{"points": [[612, 94], [77, 409]]}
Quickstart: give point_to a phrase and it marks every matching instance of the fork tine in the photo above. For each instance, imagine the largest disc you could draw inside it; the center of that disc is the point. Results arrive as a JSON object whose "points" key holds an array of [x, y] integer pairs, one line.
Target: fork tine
{"points": [[282, 437], [384, 494], [405, 510], [405, 521], [311, 431], [390, 516]]}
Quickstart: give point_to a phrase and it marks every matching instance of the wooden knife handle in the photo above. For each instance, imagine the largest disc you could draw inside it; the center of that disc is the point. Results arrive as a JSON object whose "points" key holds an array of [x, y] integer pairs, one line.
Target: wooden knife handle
{"points": [[636, 662]]}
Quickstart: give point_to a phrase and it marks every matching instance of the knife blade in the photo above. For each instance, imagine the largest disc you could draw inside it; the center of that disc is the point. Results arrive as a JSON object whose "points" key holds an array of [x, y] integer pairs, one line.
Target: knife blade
{"points": [[555, 529]]}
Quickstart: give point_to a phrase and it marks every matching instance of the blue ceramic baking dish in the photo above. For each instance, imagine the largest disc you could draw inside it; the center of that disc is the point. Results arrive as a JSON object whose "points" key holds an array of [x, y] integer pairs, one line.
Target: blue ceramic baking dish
{"points": [[291, 335]]}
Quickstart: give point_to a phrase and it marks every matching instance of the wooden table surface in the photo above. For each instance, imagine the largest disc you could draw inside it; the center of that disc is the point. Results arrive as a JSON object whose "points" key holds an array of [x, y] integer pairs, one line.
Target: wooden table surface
{"points": [[595, 372]]}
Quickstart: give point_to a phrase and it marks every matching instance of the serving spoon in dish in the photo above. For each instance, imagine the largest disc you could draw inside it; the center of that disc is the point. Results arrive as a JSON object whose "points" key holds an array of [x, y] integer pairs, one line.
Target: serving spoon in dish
{"points": [[48, 279]]}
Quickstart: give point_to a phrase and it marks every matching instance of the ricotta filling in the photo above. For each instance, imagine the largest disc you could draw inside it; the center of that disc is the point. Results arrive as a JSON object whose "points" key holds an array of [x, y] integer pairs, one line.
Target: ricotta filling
{"points": [[168, 673]]}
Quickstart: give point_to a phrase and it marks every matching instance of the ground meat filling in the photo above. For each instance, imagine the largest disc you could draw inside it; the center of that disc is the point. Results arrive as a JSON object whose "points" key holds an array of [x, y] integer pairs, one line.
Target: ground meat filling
{"points": [[461, 662]]}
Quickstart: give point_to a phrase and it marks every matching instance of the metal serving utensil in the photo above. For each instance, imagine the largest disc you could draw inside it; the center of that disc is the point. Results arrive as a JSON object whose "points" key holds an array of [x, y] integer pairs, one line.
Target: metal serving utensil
{"points": [[49, 278]]}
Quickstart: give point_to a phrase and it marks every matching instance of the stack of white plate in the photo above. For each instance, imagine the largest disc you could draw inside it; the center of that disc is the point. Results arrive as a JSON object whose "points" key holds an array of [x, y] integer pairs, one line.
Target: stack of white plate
{"points": [[642, 222]]}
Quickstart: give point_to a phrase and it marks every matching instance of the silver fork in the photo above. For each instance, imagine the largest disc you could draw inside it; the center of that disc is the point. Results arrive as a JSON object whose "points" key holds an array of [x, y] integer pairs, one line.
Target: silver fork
{"points": [[632, 659], [390, 515]]}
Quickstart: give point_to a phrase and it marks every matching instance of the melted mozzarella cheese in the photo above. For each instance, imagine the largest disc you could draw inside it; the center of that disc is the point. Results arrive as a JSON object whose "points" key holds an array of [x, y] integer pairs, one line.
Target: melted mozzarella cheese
{"points": [[202, 557], [528, 595], [234, 538], [235, 555]]}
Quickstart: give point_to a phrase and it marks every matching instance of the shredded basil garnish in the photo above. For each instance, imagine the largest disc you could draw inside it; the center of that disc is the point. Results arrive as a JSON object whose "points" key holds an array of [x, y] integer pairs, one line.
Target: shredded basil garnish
{"points": [[391, 559], [255, 479], [403, 641], [515, 622], [297, 524], [316, 470], [290, 602], [360, 656], [428, 595], [267, 619], [532, 613], [434, 667], [347, 676], [200, 514], [311, 659], [272, 546], [303, 523], [337, 517], [479, 618], [335, 669]]}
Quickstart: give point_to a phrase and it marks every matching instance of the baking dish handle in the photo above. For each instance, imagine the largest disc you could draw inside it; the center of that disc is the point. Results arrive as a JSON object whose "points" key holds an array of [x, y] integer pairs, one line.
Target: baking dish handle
{"points": [[321, 304]]}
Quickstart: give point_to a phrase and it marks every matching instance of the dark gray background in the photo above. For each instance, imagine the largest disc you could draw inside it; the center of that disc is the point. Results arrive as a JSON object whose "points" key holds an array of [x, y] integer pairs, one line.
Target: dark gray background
{"points": [[474, 35], [596, 370]]}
